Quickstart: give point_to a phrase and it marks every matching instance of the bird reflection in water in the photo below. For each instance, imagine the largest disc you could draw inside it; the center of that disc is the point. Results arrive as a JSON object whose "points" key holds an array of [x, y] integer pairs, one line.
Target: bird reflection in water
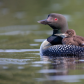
{"points": [[62, 68]]}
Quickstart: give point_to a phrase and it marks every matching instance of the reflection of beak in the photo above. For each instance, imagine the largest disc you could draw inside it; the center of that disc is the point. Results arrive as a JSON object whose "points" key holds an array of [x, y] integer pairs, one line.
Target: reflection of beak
{"points": [[61, 35], [43, 21]]}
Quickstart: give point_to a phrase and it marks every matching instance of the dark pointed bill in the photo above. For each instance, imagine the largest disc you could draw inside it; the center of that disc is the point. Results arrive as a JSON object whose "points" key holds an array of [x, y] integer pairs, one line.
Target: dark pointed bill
{"points": [[43, 21]]}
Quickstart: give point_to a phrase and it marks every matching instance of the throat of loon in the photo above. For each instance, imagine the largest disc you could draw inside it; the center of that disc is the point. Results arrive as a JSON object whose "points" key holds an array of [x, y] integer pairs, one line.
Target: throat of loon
{"points": [[56, 31]]}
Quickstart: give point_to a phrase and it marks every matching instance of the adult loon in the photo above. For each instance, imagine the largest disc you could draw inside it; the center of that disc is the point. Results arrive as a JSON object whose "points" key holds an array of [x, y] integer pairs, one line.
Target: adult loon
{"points": [[70, 38], [52, 46]]}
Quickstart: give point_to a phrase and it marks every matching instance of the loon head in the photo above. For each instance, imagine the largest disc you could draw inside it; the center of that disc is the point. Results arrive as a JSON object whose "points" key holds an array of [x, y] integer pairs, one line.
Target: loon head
{"points": [[56, 22]]}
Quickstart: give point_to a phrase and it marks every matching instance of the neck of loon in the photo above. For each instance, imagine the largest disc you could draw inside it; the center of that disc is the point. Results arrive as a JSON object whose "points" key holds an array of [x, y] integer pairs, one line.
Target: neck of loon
{"points": [[56, 31]]}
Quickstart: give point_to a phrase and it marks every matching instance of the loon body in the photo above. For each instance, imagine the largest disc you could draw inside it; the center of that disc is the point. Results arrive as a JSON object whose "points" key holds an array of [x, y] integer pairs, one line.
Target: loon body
{"points": [[52, 46], [47, 49]]}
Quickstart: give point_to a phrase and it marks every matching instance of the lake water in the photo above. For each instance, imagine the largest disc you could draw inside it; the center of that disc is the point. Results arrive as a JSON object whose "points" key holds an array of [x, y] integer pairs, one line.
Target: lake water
{"points": [[21, 37]]}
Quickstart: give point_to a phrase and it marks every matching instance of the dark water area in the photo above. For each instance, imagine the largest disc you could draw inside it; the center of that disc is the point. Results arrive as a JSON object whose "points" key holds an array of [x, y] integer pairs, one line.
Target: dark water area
{"points": [[21, 37]]}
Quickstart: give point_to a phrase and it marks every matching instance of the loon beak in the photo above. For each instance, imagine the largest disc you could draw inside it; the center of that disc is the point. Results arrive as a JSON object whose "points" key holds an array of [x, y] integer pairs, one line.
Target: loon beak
{"points": [[61, 35], [43, 21]]}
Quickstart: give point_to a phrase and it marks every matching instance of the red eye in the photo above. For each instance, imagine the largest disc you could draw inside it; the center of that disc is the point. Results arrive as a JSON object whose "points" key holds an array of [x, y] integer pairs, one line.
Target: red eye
{"points": [[56, 19]]}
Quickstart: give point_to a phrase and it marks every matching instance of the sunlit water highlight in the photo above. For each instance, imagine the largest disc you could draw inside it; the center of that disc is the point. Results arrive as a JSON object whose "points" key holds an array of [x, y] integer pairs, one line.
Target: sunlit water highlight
{"points": [[6, 61], [66, 78], [20, 50]]}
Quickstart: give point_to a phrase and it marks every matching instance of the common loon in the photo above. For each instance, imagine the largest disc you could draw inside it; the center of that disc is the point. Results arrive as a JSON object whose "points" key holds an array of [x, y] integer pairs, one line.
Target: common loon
{"points": [[52, 46], [70, 38]]}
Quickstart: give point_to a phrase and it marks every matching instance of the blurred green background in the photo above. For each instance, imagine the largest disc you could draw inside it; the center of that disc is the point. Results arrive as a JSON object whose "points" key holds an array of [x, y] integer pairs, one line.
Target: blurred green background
{"points": [[19, 30], [18, 20]]}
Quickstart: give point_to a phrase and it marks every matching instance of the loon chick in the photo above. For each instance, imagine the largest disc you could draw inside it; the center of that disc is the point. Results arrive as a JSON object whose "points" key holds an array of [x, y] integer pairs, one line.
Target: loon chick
{"points": [[70, 38], [52, 46]]}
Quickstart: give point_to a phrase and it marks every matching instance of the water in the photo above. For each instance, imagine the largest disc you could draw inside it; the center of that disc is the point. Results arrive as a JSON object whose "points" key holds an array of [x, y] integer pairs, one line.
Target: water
{"points": [[21, 37]]}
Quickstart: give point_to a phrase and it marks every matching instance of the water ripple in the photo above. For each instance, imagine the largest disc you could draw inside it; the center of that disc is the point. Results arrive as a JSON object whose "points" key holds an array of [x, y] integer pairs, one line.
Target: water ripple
{"points": [[5, 61], [20, 50]]}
